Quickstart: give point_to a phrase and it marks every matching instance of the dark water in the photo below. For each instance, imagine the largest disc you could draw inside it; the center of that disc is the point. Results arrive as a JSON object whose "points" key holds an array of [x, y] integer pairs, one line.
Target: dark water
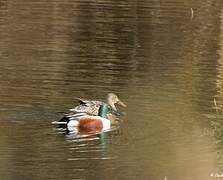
{"points": [[163, 58]]}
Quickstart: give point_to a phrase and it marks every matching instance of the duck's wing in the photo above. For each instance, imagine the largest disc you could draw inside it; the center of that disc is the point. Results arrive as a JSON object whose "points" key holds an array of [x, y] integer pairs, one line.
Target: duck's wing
{"points": [[88, 102], [90, 107]]}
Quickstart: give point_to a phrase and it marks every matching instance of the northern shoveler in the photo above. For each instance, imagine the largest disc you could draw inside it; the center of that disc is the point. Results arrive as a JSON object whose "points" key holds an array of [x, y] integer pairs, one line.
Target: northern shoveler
{"points": [[92, 115], [92, 107], [83, 122]]}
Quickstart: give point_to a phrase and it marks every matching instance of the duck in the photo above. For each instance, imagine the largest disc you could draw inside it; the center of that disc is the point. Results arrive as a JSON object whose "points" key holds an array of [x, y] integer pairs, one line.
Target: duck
{"points": [[83, 122], [92, 107]]}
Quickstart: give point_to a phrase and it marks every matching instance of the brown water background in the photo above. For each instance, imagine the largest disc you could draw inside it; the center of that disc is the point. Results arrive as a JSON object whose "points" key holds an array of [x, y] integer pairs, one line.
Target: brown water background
{"points": [[164, 58]]}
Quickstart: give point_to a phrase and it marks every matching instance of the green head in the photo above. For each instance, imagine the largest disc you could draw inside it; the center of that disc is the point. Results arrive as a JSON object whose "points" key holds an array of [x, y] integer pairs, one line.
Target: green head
{"points": [[103, 109]]}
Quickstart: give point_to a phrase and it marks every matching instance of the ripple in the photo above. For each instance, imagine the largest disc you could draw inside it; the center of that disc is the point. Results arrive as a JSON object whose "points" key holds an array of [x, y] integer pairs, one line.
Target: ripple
{"points": [[91, 158]]}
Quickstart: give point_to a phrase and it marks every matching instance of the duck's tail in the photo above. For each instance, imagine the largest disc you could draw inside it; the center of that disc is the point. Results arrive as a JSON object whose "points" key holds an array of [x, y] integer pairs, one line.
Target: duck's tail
{"points": [[81, 101]]}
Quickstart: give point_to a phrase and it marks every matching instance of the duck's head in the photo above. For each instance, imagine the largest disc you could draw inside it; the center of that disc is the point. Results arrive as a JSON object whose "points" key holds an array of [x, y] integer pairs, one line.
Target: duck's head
{"points": [[113, 99]]}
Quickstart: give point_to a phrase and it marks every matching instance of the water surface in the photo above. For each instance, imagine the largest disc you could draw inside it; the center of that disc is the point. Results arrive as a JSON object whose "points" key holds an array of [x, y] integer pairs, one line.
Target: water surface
{"points": [[163, 59]]}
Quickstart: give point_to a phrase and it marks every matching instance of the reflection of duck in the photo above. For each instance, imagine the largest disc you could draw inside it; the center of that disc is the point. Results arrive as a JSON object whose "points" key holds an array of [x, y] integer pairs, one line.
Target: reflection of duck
{"points": [[87, 123]]}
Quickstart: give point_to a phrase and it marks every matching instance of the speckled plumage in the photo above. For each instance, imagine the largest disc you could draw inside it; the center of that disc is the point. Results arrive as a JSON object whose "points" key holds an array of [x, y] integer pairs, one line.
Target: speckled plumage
{"points": [[89, 107], [92, 107]]}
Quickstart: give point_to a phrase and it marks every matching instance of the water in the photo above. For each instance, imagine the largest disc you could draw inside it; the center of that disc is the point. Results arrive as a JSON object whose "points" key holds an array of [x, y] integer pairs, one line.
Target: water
{"points": [[163, 59]]}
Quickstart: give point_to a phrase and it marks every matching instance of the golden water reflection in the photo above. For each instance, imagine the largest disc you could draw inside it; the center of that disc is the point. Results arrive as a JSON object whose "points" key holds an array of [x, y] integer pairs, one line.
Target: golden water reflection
{"points": [[162, 61]]}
